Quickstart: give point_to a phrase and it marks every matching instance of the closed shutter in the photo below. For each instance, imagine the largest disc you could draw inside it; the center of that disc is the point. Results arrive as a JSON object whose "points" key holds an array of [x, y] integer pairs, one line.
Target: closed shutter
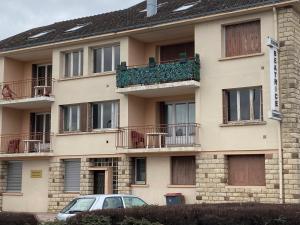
{"points": [[61, 119], [225, 107], [183, 170], [243, 39], [72, 175], [14, 177], [246, 170], [84, 117]]}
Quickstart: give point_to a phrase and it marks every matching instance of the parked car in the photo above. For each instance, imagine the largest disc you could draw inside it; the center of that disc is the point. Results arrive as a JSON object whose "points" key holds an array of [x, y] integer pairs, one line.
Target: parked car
{"points": [[95, 202]]}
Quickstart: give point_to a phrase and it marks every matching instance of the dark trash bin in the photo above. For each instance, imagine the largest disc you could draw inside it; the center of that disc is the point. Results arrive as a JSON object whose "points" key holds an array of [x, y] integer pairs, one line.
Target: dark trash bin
{"points": [[174, 199]]}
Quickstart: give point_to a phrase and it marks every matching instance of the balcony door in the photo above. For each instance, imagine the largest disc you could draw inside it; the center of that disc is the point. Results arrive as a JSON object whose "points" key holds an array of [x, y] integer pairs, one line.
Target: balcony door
{"points": [[42, 129], [180, 119], [42, 80]]}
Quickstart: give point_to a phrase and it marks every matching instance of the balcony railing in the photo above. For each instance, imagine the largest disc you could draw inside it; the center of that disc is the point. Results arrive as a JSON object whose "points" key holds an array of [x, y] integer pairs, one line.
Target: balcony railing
{"points": [[25, 143], [161, 136], [183, 69], [26, 89]]}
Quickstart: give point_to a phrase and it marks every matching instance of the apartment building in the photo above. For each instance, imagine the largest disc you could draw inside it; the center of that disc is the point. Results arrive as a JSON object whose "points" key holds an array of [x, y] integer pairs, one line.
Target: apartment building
{"points": [[193, 97]]}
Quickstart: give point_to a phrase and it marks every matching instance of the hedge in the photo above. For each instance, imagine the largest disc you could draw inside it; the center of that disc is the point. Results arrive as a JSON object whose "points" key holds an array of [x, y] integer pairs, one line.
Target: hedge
{"points": [[204, 214], [17, 219]]}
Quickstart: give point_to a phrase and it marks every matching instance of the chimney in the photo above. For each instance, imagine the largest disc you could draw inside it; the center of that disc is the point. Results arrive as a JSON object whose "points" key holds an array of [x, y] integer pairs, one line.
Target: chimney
{"points": [[151, 7]]}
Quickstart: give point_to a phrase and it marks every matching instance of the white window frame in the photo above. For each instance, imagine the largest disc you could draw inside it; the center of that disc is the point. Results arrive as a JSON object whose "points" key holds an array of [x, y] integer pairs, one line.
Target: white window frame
{"points": [[102, 58], [71, 72], [251, 108], [139, 182], [70, 110], [114, 114]]}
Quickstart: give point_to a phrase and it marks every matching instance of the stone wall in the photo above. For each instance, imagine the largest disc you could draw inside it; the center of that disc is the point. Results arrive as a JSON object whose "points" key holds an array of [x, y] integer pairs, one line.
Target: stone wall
{"points": [[124, 175], [289, 65], [212, 179]]}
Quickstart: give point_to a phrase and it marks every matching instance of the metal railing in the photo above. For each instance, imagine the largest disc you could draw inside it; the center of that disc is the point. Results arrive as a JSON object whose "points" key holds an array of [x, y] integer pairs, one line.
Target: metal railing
{"points": [[29, 88], [160, 136], [25, 143], [183, 69]]}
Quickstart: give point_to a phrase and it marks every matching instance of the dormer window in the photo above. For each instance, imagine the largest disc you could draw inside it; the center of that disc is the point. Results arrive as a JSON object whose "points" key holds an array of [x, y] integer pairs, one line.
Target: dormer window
{"points": [[40, 34], [79, 26]]}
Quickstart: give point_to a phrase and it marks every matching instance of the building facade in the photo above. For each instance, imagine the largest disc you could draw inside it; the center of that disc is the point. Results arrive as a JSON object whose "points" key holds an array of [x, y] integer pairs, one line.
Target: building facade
{"points": [[179, 103]]}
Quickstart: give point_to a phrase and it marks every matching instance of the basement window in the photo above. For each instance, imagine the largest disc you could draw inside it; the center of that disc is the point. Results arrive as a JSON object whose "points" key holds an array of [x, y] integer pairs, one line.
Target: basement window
{"points": [[77, 27], [185, 7], [40, 34]]}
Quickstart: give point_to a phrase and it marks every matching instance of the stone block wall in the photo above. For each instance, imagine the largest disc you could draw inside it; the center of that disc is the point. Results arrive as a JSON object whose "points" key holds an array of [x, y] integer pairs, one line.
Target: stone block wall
{"points": [[124, 175], [212, 181], [289, 66]]}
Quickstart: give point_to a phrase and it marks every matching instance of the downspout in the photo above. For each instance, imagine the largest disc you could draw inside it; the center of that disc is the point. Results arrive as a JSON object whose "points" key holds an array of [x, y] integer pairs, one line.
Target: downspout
{"points": [[280, 160]]}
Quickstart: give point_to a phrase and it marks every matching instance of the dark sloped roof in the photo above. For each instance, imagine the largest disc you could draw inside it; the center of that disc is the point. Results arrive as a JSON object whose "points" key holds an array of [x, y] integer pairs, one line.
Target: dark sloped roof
{"points": [[126, 19]]}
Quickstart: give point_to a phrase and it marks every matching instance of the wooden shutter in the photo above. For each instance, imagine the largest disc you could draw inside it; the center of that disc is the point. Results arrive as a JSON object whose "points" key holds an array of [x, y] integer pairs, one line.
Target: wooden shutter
{"points": [[243, 39], [84, 117], [225, 106], [172, 52], [72, 175], [247, 170], [14, 177], [61, 119], [183, 170], [89, 117], [162, 113]]}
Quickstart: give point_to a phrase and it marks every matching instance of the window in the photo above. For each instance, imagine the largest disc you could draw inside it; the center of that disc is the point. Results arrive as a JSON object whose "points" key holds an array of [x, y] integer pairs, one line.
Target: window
{"points": [[242, 39], [106, 58], [71, 118], [183, 170], [73, 63], [105, 115], [41, 34], [185, 7], [113, 203], [72, 175], [139, 167], [14, 176], [246, 170], [131, 202], [78, 27], [242, 104]]}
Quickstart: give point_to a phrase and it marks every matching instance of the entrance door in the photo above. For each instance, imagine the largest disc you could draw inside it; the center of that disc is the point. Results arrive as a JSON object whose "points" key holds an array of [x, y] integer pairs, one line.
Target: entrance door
{"points": [[180, 118], [99, 182], [42, 129]]}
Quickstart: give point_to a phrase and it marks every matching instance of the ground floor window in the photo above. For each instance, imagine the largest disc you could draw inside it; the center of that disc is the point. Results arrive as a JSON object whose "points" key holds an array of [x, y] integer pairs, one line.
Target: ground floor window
{"points": [[72, 175], [246, 170], [139, 168], [183, 170], [14, 176]]}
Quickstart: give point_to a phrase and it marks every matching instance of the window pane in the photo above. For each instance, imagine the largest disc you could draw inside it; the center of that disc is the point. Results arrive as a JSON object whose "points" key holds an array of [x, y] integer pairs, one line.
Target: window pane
{"points": [[245, 104], [191, 112], [67, 64], [107, 59], [232, 105], [107, 115], [96, 116], [113, 203], [74, 117], [133, 202], [257, 103], [75, 63], [181, 118], [140, 164], [98, 60], [81, 63], [117, 56], [66, 118]]}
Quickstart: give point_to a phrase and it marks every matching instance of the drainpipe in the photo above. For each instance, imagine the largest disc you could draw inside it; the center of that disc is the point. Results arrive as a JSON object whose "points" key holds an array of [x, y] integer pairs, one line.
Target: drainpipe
{"points": [[280, 160]]}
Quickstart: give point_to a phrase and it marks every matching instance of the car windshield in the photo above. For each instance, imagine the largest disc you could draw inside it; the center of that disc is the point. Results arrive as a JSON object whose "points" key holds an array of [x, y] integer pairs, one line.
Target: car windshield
{"points": [[79, 205]]}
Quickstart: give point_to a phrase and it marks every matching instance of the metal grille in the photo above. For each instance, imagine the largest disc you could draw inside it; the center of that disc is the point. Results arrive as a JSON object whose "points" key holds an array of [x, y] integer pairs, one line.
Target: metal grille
{"points": [[109, 162]]}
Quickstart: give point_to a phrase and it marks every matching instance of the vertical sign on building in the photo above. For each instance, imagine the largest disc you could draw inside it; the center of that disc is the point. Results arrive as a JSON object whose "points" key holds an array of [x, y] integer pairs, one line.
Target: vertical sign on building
{"points": [[274, 79]]}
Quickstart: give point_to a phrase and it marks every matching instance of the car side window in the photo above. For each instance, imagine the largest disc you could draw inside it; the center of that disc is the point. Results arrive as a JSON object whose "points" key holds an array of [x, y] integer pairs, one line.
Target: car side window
{"points": [[133, 202], [113, 203]]}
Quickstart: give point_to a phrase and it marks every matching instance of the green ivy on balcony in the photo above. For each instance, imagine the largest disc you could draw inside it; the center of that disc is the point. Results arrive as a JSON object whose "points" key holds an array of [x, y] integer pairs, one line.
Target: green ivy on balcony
{"points": [[181, 70]]}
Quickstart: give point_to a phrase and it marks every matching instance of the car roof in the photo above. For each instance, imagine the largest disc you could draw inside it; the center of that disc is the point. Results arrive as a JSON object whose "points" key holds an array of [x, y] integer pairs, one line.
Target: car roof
{"points": [[105, 196]]}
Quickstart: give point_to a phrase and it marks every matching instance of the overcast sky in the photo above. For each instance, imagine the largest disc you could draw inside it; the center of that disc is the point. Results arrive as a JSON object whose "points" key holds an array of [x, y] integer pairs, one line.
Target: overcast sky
{"points": [[20, 15]]}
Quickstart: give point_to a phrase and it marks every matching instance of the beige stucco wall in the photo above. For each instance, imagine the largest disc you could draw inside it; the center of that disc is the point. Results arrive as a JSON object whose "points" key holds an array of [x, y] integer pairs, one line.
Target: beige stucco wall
{"points": [[158, 181], [34, 196], [217, 75]]}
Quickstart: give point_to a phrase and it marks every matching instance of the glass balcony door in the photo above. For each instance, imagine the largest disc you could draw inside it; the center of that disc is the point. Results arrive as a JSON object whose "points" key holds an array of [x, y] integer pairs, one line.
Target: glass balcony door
{"points": [[180, 118], [42, 129]]}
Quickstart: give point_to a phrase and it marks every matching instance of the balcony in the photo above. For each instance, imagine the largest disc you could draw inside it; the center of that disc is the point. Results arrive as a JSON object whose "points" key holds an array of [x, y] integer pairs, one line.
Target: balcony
{"points": [[26, 145], [161, 138], [168, 78], [27, 94]]}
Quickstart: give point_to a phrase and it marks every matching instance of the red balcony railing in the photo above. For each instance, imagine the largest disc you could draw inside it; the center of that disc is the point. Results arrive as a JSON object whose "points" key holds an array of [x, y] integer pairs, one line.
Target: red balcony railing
{"points": [[25, 143], [161, 136], [26, 89]]}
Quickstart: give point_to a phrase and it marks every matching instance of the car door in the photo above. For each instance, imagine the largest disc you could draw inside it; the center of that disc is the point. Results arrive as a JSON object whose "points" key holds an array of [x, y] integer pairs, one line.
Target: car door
{"points": [[130, 202], [113, 203]]}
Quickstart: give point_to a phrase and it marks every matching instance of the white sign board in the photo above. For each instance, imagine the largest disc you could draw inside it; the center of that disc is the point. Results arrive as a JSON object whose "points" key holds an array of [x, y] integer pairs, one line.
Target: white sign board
{"points": [[274, 79]]}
